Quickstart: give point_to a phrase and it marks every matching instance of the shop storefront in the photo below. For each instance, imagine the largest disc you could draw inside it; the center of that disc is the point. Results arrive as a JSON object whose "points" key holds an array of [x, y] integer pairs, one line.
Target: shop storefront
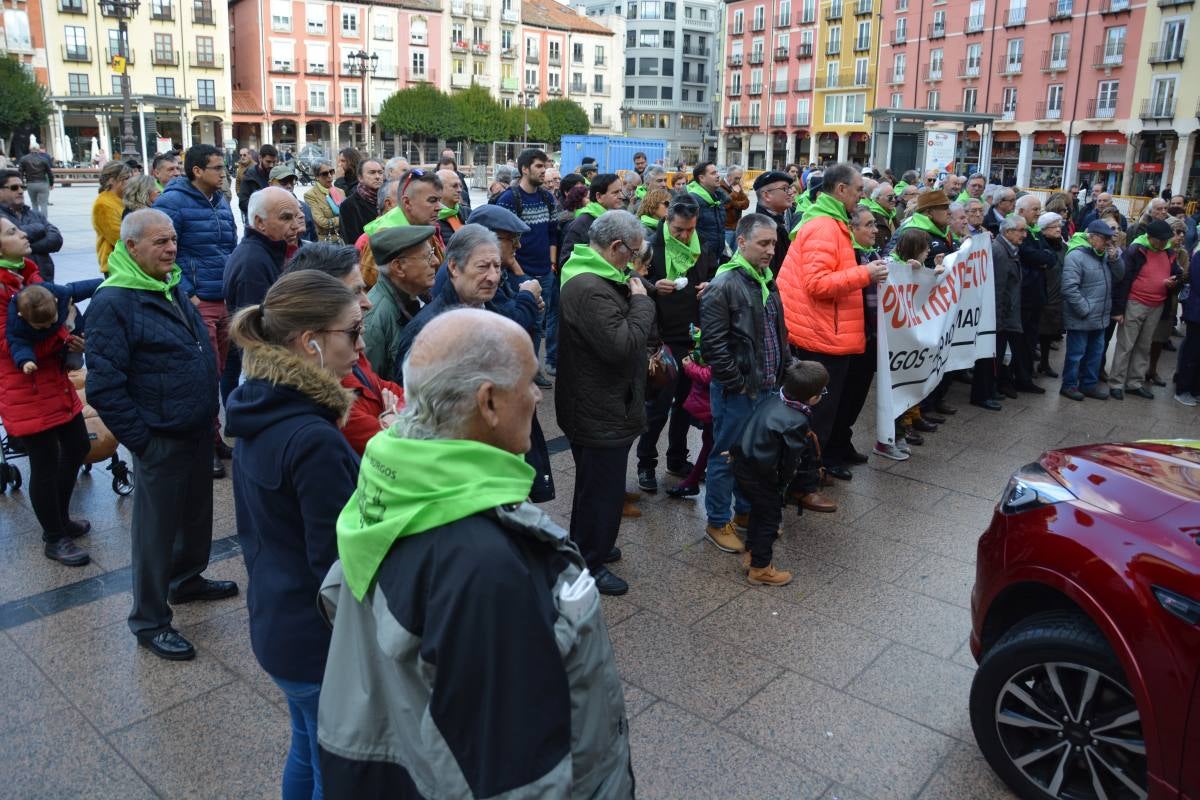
{"points": [[1102, 159], [1046, 168], [1150, 163], [860, 148], [1006, 152]]}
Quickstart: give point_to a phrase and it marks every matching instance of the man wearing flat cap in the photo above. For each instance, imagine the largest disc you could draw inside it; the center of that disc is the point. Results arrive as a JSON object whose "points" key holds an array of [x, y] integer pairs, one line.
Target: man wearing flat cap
{"points": [[284, 176], [407, 266], [776, 194], [933, 217]]}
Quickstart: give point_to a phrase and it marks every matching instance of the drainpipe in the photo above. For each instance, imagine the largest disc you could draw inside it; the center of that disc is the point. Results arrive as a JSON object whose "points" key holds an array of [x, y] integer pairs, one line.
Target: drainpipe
{"points": [[1071, 155]]}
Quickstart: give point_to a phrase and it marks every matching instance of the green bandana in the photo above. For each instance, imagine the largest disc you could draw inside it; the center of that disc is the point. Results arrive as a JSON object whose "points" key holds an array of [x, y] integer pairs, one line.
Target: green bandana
{"points": [[639, 192], [963, 197], [446, 213], [650, 222], [1034, 230], [124, 273], [1080, 239], [763, 278], [392, 219], [410, 486], [878, 209], [15, 264], [702, 193], [826, 205], [680, 257], [803, 202], [1144, 241], [923, 222], [584, 259], [593, 208], [900, 187]]}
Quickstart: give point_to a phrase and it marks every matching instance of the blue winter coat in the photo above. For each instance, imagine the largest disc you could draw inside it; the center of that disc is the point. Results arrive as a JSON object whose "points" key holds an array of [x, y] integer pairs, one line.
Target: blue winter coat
{"points": [[23, 337], [207, 235], [151, 369]]}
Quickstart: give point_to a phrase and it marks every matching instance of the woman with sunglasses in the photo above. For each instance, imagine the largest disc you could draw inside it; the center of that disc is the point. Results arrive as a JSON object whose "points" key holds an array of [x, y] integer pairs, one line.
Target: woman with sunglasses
{"points": [[324, 200], [293, 473]]}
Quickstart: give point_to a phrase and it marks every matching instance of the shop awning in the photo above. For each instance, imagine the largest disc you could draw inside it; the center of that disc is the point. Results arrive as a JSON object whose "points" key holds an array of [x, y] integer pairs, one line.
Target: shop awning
{"points": [[1006, 136], [1049, 137], [1111, 138]]}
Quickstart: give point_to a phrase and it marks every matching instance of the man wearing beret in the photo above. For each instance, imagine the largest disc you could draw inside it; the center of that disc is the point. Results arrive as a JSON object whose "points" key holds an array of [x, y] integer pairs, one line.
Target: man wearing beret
{"points": [[776, 194], [407, 266]]}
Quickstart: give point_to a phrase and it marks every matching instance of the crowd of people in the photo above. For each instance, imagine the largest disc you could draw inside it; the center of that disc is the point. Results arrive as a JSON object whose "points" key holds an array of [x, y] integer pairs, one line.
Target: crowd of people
{"points": [[379, 350]]}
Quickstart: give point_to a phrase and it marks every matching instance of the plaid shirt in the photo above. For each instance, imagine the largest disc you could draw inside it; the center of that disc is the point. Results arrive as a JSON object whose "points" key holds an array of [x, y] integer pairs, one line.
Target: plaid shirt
{"points": [[772, 352]]}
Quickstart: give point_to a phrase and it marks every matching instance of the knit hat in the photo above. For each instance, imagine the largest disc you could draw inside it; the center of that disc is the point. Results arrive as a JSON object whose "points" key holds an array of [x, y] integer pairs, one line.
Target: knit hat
{"points": [[1050, 218], [1157, 229]]}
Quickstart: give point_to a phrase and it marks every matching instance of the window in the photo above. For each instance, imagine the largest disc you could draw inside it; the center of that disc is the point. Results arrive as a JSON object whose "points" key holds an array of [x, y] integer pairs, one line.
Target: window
{"points": [[281, 16], [668, 10], [281, 56], [418, 63], [1106, 99], [478, 35], [1114, 45], [976, 18], [1173, 33], [599, 55], [835, 40], [577, 53], [738, 22], [781, 81], [77, 84], [735, 84], [970, 98], [114, 44], [531, 79], [756, 79], [206, 93], [76, 41], [418, 32], [631, 38], [314, 19], [668, 39], [1054, 101], [205, 52], [597, 114], [899, 66], [16, 29], [647, 66], [808, 12], [861, 73], [506, 39], [383, 29], [202, 12], [779, 114], [802, 111], [897, 100], [161, 9], [1008, 103], [755, 112], [647, 92], [163, 51], [350, 23], [118, 85], [458, 66], [845, 109], [318, 99], [555, 49], [901, 29], [974, 59], [933, 100], [531, 50], [350, 98], [1059, 45], [1016, 12], [902, 5], [832, 70], [668, 66], [668, 92], [936, 61], [939, 23], [1162, 98], [598, 84], [785, 13], [863, 40], [650, 9], [1015, 55], [759, 18], [647, 39]]}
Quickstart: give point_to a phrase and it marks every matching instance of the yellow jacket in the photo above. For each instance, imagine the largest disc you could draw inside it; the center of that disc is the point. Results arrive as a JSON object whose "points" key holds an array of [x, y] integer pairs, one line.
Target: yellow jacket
{"points": [[106, 221]]}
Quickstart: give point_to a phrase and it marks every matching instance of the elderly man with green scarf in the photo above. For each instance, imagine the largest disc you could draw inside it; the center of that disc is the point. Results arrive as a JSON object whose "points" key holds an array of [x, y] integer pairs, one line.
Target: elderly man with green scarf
{"points": [[469, 655]]}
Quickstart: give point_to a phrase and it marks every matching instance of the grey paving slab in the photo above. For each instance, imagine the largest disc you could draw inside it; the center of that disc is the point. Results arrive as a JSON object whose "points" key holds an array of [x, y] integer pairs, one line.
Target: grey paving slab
{"points": [[921, 687], [28, 696]]}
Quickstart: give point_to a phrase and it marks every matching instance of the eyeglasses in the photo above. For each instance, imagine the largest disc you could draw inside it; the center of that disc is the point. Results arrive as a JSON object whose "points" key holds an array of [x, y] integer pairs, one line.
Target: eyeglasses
{"points": [[17, 187], [325, 173], [354, 333]]}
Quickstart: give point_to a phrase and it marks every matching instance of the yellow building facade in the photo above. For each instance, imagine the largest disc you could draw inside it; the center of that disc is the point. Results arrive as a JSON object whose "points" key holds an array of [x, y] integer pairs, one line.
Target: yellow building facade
{"points": [[847, 60]]}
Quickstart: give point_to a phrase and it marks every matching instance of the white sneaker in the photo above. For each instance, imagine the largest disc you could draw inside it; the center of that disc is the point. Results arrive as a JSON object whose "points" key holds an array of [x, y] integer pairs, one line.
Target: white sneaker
{"points": [[890, 451], [1186, 398], [904, 446]]}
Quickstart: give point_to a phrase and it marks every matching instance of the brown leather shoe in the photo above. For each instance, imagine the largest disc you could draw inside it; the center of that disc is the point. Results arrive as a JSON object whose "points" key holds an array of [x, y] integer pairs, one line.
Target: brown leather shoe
{"points": [[768, 576], [724, 538], [631, 511], [815, 501], [632, 497]]}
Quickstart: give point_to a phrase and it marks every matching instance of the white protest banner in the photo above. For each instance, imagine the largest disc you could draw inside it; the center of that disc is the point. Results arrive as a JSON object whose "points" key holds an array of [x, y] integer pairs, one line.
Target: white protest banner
{"points": [[931, 324]]}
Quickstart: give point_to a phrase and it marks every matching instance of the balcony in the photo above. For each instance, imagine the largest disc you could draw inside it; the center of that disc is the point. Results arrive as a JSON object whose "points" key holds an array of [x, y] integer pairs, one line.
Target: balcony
{"points": [[460, 46], [833, 48], [508, 53], [110, 54], [458, 8], [206, 60], [602, 91], [72, 7], [973, 25], [968, 69], [480, 49], [937, 31], [1015, 18], [1005, 114], [508, 85], [202, 13], [283, 67], [738, 30], [754, 89], [735, 90], [783, 20], [1098, 109], [532, 58], [554, 59], [423, 76], [688, 50], [735, 60], [1107, 58], [1053, 62], [1159, 108], [1108, 7], [460, 80], [216, 104], [510, 16], [601, 122], [164, 58], [804, 51], [480, 11], [803, 84], [931, 73], [802, 118], [833, 11], [862, 45], [758, 24], [899, 37], [316, 69], [755, 57], [896, 76], [554, 91], [846, 79], [781, 54], [1174, 3], [1011, 67], [79, 52], [736, 122], [110, 10], [1060, 10], [578, 88], [164, 12], [779, 121], [1167, 52], [1047, 112], [779, 87], [864, 8]]}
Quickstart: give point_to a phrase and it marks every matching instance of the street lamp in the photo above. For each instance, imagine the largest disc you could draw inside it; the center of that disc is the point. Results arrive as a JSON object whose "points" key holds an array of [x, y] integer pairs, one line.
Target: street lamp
{"points": [[364, 64], [123, 10], [525, 99]]}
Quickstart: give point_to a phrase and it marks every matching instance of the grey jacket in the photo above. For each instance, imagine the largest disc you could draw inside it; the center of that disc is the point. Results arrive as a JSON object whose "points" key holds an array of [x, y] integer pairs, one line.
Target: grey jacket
{"points": [[1008, 285], [1087, 287], [463, 673]]}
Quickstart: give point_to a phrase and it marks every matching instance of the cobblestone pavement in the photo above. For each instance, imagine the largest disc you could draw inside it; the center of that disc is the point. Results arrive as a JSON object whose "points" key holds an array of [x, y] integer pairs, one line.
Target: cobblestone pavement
{"points": [[851, 683]]}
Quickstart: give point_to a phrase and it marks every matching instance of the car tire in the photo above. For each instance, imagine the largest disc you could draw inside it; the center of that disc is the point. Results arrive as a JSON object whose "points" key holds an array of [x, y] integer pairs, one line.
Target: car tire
{"points": [[1051, 659]]}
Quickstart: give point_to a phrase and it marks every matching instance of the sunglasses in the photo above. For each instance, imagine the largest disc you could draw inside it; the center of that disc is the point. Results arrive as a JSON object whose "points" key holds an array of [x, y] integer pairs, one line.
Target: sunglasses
{"points": [[325, 173], [17, 187], [354, 333], [412, 173]]}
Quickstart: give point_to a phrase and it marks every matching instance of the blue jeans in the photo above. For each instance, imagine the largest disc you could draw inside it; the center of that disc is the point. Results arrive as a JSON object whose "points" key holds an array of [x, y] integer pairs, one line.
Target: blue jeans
{"points": [[730, 413], [731, 240], [1081, 365], [302, 770], [548, 319]]}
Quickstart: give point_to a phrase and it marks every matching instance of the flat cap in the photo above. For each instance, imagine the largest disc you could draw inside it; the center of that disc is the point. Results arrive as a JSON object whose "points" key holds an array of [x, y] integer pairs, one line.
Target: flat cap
{"points": [[281, 171], [498, 220], [388, 243], [767, 178], [1100, 228]]}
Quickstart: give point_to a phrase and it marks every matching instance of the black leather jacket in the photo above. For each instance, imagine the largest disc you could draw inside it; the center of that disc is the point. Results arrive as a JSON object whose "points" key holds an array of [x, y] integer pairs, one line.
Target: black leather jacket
{"points": [[775, 445], [731, 325]]}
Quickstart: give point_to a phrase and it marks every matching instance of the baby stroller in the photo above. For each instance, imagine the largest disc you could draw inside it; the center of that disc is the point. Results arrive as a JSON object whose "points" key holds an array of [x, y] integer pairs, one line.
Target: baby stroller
{"points": [[9, 475], [103, 443]]}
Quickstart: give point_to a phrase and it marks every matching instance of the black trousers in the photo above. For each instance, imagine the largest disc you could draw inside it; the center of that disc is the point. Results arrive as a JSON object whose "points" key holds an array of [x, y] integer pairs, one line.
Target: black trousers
{"points": [[1026, 344], [825, 412], [664, 404], [766, 514], [859, 374], [172, 524], [598, 500], [1187, 364], [55, 456]]}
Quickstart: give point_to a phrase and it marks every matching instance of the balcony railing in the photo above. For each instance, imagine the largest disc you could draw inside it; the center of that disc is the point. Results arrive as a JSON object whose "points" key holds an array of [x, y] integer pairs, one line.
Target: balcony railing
{"points": [[863, 8], [1106, 58], [1011, 67], [1158, 109], [316, 69], [72, 7], [754, 89], [758, 24], [1005, 114], [601, 122], [481, 49], [460, 80], [162, 11], [1174, 3], [554, 60], [755, 57], [737, 122], [1053, 62], [284, 67], [111, 53], [508, 84], [833, 48], [735, 90], [532, 58], [1167, 52], [781, 54], [802, 117], [603, 90], [937, 31], [783, 20], [968, 69], [899, 37], [973, 24], [1101, 110], [862, 45], [735, 60], [896, 76], [688, 50], [804, 50], [931, 73], [202, 13], [779, 121], [834, 11], [479, 11], [508, 53], [1115, 7], [164, 58], [847, 78], [206, 60], [578, 88], [212, 104], [779, 87], [1015, 18], [1045, 111], [803, 84], [459, 46], [1060, 10], [77, 53]]}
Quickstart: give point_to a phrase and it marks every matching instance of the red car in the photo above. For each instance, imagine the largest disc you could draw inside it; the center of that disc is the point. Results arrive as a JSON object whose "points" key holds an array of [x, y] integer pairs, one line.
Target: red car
{"points": [[1086, 625]]}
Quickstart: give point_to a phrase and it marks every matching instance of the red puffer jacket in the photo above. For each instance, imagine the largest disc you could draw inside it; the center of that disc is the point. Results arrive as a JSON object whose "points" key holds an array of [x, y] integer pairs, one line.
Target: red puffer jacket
{"points": [[34, 403], [821, 285], [363, 421]]}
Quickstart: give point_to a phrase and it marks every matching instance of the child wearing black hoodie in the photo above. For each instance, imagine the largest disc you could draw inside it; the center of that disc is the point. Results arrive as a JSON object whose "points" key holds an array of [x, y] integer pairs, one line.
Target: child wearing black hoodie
{"points": [[775, 446]]}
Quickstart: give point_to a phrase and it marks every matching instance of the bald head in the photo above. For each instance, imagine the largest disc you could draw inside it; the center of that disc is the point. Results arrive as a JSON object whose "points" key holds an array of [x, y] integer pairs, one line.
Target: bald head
{"points": [[275, 213], [451, 187]]}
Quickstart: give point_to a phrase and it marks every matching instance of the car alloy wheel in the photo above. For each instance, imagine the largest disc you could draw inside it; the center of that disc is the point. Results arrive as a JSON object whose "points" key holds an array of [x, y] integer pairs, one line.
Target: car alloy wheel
{"points": [[1054, 716]]}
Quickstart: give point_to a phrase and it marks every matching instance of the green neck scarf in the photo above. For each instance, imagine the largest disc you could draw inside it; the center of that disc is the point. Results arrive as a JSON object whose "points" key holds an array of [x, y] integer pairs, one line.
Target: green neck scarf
{"points": [[445, 212], [640, 192], [1034, 230], [650, 222], [762, 278], [702, 193], [392, 219], [826, 205], [963, 197], [1080, 239], [803, 202], [15, 264], [1144, 241], [583, 260], [680, 257], [410, 486], [857, 246], [922, 222], [879, 209], [593, 208], [124, 273], [900, 187]]}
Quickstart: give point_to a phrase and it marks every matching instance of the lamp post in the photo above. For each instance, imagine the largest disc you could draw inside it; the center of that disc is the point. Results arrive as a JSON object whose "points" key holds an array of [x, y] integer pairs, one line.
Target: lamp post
{"points": [[524, 98], [123, 10], [364, 64]]}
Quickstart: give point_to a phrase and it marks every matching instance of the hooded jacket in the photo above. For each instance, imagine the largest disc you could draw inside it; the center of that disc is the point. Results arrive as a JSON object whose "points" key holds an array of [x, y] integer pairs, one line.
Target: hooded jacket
{"points": [[44, 238], [1087, 286], [293, 472], [207, 235]]}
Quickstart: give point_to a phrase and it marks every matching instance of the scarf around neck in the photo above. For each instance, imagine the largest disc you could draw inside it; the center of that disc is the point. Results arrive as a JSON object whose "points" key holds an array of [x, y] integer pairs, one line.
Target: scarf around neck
{"points": [[877, 208], [367, 194], [15, 264], [826, 205], [1144, 241], [124, 273], [446, 212], [392, 219], [593, 208], [761, 278], [585, 260], [924, 223], [650, 222], [680, 257], [702, 193]]}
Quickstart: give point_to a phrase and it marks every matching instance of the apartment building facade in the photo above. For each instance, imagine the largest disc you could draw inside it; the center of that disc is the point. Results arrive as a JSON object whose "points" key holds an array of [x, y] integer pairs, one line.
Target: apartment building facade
{"points": [[671, 72], [175, 60]]}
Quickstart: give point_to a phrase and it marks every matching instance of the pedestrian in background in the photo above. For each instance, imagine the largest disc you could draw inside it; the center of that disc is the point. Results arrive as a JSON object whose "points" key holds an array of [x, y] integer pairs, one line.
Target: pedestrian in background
{"points": [[108, 209]]}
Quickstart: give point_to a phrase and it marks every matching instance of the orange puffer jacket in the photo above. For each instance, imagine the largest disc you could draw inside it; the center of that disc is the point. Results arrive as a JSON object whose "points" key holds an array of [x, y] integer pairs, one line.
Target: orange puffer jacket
{"points": [[821, 285]]}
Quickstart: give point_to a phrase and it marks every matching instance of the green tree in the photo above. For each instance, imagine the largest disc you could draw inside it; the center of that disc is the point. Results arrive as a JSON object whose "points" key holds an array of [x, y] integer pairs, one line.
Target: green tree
{"points": [[478, 117], [23, 103], [512, 126], [422, 110], [565, 118]]}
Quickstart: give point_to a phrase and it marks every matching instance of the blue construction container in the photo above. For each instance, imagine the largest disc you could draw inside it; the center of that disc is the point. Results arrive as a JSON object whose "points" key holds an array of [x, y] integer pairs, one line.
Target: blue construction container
{"points": [[611, 152]]}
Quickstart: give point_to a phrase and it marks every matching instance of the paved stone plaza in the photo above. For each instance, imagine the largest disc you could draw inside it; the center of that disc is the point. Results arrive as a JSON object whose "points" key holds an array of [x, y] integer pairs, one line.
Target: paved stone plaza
{"points": [[850, 683]]}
